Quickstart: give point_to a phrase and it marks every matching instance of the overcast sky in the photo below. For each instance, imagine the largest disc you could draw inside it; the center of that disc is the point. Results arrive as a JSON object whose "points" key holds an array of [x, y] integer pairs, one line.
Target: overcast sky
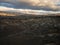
{"points": [[33, 3]]}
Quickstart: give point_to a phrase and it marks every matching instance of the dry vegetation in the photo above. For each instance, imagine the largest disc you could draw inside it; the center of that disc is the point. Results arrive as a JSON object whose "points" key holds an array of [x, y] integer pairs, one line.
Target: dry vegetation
{"points": [[29, 30]]}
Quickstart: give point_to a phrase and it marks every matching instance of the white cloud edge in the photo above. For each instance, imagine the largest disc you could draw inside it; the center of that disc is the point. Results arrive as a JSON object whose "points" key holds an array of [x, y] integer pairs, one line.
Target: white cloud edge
{"points": [[28, 11]]}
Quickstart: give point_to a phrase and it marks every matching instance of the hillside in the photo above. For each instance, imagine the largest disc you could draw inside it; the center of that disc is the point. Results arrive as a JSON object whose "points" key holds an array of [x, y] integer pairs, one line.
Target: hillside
{"points": [[4, 13], [29, 30]]}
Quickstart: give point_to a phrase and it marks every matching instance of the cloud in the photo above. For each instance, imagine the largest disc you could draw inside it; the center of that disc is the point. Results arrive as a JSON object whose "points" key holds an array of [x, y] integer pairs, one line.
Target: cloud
{"points": [[7, 5], [26, 11], [37, 3]]}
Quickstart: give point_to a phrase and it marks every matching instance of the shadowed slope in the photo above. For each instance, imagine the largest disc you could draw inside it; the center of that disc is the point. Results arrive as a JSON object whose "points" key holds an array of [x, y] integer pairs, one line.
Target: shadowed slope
{"points": [[30, 30]]}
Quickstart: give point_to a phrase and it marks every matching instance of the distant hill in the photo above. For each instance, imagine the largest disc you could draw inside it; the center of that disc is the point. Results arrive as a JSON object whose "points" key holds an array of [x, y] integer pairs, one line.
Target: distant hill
{"points": [[7, 13], [3, 13]]}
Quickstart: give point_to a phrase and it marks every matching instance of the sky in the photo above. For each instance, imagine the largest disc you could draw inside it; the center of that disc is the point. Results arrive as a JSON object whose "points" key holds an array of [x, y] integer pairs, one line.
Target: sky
{"points": [[31, 4]]}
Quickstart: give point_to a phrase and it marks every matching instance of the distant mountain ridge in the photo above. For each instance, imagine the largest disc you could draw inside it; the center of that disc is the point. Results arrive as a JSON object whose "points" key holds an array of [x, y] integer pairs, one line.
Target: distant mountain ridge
{"points": [[4, 13]]}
